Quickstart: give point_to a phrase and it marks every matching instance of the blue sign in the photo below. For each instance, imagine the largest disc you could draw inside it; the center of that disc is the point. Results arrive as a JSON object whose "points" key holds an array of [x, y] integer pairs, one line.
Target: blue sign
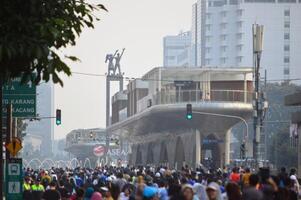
{"points": [[14, 181]]}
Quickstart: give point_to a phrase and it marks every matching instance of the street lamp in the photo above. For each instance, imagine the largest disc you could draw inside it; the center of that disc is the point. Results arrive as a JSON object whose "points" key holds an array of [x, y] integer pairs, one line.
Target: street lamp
{"points": [[230, 116]]}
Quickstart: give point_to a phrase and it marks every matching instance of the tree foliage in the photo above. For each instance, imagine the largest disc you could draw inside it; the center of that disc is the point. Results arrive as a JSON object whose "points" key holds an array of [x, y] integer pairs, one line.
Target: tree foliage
{"points": [[32, 32], [21, 128]]}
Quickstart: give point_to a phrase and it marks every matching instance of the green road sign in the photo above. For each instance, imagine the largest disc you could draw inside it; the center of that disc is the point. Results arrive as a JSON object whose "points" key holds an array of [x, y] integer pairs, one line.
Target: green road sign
{"points": [[14, 181], [15, 87], [21, 96]]}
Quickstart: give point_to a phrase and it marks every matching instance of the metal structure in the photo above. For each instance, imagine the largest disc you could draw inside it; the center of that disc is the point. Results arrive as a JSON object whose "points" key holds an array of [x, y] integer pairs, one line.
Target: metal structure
{"points": [[114, 74], [259, 103]]}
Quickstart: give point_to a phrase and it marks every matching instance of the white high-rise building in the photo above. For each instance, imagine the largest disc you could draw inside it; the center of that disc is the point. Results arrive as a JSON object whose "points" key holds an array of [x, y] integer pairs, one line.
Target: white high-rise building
{"points": [[44, 128], [222, 30], [177, 50]]}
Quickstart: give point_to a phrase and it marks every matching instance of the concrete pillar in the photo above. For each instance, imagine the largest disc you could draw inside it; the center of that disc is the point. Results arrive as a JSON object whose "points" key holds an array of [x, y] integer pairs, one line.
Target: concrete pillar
{"points": [[245, 88], [227, 147], [299, 151], [198, 149]]}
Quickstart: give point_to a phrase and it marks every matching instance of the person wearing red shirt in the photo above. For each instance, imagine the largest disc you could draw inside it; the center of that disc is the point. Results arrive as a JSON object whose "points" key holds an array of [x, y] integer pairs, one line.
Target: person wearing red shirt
{"points": [[235, 176]]}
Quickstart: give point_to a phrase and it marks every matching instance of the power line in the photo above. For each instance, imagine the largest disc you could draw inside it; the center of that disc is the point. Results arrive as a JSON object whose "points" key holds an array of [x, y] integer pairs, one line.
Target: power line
{"points": [[171, 80]]}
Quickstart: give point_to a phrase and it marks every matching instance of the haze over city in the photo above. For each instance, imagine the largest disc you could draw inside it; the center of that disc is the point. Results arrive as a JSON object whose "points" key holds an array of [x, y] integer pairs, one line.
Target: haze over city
{"points": [[138, 26]]}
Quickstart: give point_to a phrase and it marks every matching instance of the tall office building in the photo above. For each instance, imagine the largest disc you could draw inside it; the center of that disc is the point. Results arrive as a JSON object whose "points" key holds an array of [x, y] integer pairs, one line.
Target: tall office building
{"points": [[177, 50], [44, 128], [222, 34]]}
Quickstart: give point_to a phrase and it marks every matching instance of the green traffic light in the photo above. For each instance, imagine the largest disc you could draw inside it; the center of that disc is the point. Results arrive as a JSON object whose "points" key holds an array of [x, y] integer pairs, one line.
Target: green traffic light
{"points": [[58, 122], [189, 117]]}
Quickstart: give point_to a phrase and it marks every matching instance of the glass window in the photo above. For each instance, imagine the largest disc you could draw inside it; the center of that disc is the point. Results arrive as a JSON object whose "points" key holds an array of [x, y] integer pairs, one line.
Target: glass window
{"points": [[287, 13], [223, 37], [286, 71], [207, 38], [207, 61], [239, 24], [286, 1], [223, 48], [239, 12], [239, 59], [224, 13], [239, 47], [239, 36], [208, 49], [286, 59], [223, 60], [286, 36], [287, 47], [208, 27], [287, 24], [223, 25], [208, 15], [170, 57]]}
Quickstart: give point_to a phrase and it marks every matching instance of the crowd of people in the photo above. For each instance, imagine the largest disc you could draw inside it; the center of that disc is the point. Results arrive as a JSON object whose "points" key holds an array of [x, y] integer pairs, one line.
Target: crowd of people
{"points": [[150, 183]]}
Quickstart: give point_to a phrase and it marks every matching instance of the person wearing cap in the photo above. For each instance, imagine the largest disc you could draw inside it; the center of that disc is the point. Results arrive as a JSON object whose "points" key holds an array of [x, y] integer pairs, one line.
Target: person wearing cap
{"points": [[188, 192], [37, 189], [150, 193], [27, 189], [213, 191]]}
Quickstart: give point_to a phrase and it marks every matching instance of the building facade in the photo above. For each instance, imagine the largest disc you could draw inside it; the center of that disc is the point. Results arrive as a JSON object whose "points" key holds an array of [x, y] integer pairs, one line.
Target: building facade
{"points": [[155, 125], [222, 34], [177, 50], [295, 100], [44, 128]]}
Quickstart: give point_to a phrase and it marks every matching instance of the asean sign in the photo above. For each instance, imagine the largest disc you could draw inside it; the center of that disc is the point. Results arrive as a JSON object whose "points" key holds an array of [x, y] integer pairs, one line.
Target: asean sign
{"points": [[99, 151]]}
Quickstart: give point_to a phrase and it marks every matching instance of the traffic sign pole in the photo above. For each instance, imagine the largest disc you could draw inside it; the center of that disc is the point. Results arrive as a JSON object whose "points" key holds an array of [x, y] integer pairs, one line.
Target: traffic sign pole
{"points": [[1, 139], [8, 129]]}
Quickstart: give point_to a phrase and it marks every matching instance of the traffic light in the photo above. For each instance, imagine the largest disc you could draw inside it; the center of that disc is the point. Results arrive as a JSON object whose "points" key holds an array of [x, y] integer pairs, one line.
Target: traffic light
{"points": [[58, 117], [243, 150], [189, 111]]}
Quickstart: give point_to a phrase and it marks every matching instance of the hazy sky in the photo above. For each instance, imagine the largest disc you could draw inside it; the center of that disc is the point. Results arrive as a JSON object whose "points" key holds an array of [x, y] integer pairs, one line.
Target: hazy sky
{"points": [[137, 25]]}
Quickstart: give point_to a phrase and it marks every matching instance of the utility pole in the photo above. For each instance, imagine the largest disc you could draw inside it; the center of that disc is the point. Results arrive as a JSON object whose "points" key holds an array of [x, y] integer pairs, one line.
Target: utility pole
{"points": [[259, 103], [1, 138]]}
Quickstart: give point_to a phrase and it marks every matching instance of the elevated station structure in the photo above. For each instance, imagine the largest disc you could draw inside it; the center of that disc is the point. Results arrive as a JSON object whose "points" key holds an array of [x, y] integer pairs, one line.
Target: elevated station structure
{"points": [[150, 114], [81, 142]]}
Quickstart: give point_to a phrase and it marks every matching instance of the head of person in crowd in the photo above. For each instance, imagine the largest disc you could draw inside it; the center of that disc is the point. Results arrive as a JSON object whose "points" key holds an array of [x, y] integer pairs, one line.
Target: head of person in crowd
{"points": [[199, 191], [126, 190], [212, 191], [293, 171], [96, 196], [233, 191], [88, 193], [253, 180], [79, 193], [150, 193], [187, 192], [52, 185], [114, 191]]}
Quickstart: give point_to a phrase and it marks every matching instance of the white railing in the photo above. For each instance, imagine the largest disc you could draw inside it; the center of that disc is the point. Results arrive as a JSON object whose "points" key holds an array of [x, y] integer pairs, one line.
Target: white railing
{"points": [[176, 96]]}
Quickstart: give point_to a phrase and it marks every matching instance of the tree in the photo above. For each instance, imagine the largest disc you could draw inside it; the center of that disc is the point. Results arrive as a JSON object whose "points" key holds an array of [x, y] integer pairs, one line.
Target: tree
{"points": [[32, 32], [283, 153], [21, 128]]}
